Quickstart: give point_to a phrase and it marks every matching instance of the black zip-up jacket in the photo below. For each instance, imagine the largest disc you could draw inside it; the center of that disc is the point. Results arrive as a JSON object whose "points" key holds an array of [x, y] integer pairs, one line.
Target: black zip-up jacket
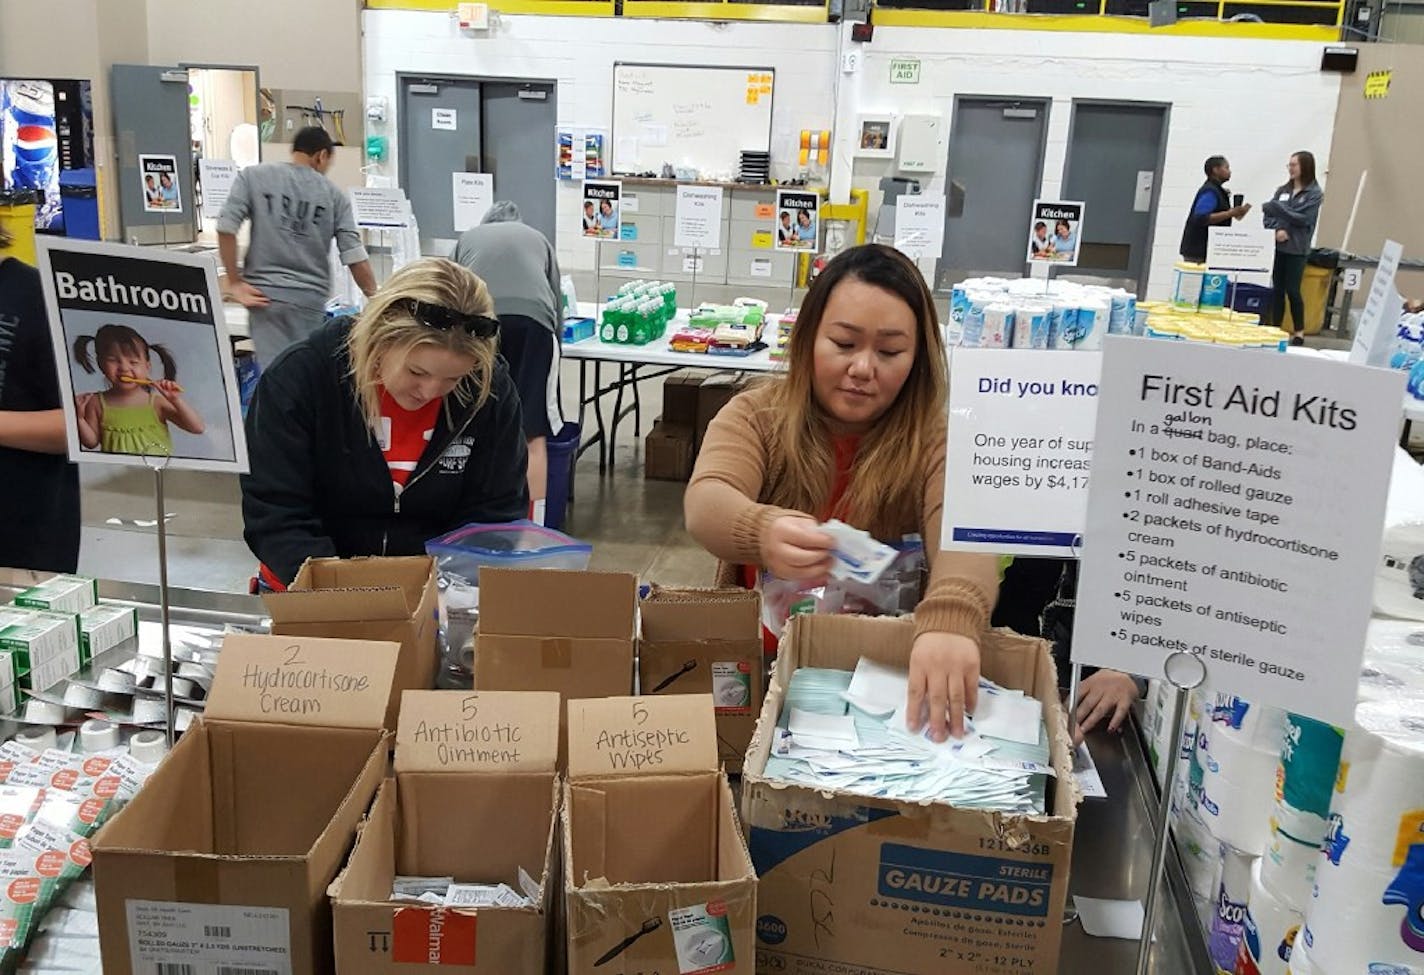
{"points": [[1197, 232], [320, 485]]}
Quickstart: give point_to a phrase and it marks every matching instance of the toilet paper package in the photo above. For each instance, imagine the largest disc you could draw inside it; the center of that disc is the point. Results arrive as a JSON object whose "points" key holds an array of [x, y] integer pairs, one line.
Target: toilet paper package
{"points": [[1268, 932], [1299, 960], [1201, 855], [1310, 759], [973, 336], [1368, 905], [1238, 790], [1224, 934], [1288, 869], [998, 326]]}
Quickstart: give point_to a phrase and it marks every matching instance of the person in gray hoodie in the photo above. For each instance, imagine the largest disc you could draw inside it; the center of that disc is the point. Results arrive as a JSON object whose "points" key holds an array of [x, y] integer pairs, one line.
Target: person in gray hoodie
{"points": [[1292, 213]]}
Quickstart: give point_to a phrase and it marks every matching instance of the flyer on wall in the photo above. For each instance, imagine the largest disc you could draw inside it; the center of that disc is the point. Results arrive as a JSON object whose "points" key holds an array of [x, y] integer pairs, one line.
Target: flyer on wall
{"points": [[602, 209], [142, 352], [162, 188], [1054, 231], [796, 223]]}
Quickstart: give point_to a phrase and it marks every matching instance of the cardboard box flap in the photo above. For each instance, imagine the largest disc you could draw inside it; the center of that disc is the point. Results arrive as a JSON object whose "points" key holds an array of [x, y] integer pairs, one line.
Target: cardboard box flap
{"points": [[616, 736], [701, 615], [552, 602], [473, 731], [303, 681], [352, 589]]}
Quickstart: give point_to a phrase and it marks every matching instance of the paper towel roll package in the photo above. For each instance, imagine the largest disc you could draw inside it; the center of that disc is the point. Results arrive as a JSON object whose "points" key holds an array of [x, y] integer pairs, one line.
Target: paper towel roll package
{"points": [[1268, 933], [1031, 325], [998, 326], [1368, 905], [1093, 316], [1224, 935], [1264, 726], [1288, 869], [1310, 759], [1238, 790]]}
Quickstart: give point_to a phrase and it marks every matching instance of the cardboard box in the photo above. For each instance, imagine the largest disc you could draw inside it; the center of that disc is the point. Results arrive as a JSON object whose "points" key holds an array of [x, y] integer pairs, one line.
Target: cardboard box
{"points": [[707, 641], [367, 599], [45, 645], [714, 393], [656, 874], [680, 395], [551, 630], [476, 797], [244, 825], [104, 627], [853, 884], [667, 452], [61, 594]]}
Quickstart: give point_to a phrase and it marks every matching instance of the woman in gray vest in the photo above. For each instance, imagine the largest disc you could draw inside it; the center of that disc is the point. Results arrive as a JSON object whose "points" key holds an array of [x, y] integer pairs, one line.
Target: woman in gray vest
{"points": [[1292, 212]]}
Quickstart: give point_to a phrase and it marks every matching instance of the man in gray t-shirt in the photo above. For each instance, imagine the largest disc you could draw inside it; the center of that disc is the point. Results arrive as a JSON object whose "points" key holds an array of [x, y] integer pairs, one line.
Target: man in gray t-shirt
{"points": [[295, 212]]}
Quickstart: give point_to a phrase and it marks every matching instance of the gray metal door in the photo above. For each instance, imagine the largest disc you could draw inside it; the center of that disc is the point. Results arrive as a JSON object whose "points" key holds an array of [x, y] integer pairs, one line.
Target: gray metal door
{"points": [[995, 170], [150, 106], [439, 136], [519, 121], [1115, 167]]}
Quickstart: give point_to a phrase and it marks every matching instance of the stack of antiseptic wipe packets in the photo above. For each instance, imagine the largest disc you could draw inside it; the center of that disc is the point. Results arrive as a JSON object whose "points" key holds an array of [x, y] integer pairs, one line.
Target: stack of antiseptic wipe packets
{"points": [[847, 731]]}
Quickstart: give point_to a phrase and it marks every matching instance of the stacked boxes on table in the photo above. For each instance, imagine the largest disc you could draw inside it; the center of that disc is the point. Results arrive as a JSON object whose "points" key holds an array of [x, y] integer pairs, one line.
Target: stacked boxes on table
{"points": [[669, 446], [223, 861], [104, 627], [551, 630], [697, 641], [475, 798], [850, 883], [381, 599], [42, 647], [656, 872]]}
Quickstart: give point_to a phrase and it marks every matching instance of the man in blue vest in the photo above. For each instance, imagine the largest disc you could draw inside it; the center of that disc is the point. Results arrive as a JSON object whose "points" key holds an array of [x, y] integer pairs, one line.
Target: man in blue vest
{"points": [[1211, 208]]}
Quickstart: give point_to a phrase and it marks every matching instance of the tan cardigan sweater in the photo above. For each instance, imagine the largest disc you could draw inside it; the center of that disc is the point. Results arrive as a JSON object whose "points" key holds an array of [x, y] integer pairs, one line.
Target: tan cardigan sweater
{"points": [[740, 451]]}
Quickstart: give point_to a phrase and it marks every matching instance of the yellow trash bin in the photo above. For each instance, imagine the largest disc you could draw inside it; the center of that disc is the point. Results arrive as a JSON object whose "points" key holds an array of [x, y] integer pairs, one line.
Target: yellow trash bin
{"points": [[1315, 289], [17, 218]]}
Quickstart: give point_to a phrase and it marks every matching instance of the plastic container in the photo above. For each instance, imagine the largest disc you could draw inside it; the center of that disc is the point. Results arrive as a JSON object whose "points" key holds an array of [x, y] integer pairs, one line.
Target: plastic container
{"points": [[513, 545]]}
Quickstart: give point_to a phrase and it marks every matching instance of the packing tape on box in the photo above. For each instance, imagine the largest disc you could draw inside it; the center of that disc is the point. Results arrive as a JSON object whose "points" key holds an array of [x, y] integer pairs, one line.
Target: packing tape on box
{"points": [[1232, 893], [1269, 932], [1288, 869], [1310, 759], [1238, 789], [557, 654]]}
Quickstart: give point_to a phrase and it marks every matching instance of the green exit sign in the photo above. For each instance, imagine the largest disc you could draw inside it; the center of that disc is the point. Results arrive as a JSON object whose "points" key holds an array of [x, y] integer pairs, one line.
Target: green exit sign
{"points": [[904, 71]]}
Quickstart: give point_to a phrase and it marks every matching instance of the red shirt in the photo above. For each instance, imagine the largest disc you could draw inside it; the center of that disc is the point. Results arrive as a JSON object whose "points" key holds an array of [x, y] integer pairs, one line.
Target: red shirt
{"points": [[405, 435]]}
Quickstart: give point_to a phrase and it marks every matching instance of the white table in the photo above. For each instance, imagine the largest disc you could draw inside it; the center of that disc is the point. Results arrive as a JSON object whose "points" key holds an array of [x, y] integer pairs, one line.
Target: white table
{"points": [[636, 363]]}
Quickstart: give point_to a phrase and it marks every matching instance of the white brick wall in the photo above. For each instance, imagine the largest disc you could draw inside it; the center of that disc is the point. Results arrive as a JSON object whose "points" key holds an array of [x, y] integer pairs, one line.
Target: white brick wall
{"points": [[1253, 101]]}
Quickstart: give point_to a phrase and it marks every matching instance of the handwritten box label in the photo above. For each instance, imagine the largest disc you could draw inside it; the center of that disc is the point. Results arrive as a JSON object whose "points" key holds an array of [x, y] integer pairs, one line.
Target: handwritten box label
{"points": [[303, 680], [472, 731], [642, 735]]}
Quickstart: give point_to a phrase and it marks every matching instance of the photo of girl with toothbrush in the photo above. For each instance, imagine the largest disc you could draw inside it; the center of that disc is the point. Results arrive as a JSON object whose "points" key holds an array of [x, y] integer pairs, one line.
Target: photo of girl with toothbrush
{"points": [[133, 414]]}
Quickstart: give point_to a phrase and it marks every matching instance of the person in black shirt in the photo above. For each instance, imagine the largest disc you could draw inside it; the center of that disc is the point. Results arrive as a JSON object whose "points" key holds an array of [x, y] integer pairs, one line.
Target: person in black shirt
{"points": [[1211, 207], [39, 490]]}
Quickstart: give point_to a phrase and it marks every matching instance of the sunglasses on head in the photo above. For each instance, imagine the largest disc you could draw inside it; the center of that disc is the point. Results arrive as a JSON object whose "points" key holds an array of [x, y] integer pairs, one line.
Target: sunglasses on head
{"points": [[444, 319]]}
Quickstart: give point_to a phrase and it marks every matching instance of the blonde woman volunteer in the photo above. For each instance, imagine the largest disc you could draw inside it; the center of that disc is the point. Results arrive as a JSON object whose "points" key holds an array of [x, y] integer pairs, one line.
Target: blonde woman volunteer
{"points": [[380, 432], [856, 431]]}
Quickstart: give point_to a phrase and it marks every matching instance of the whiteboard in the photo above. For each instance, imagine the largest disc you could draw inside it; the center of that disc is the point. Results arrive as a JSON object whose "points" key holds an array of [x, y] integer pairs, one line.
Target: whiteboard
{"points": [[701, 117]]}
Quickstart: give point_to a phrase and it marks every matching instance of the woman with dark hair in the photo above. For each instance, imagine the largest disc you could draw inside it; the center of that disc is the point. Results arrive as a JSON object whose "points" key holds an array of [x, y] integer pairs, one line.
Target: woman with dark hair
{"points": [[855, 431], [1292, 213]]}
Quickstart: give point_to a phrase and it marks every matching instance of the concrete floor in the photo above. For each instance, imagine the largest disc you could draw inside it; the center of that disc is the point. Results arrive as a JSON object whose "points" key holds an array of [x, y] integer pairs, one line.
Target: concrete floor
{"points": [[633, 525]]}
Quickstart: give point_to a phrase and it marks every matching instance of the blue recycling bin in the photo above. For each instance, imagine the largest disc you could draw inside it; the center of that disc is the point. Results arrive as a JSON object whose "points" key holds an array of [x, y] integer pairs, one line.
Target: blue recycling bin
{"points": [[80, 199], [563, 451]]}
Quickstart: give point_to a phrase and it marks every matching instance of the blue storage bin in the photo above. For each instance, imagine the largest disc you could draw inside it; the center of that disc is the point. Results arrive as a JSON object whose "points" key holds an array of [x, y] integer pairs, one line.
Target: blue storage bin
{"points": [[1254, 299]]}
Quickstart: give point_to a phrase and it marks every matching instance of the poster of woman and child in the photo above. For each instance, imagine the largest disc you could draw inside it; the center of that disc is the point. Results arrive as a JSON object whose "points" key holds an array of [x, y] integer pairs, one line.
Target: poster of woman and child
{"points": [[1054, 232], [144, 360]]}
